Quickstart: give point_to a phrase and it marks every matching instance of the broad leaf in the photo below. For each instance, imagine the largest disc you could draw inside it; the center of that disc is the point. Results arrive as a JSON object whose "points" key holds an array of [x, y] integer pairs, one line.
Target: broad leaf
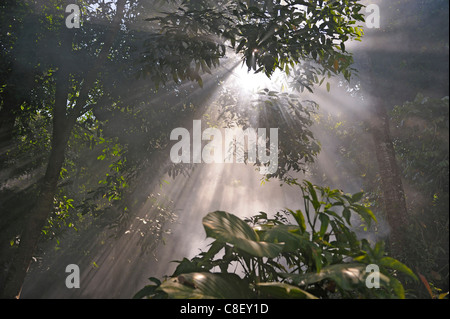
{"points": [[284, 291], [394, 264], [206, 286], [145, 292], [186, 266], [289, 235], [346, 276], [231, 229], [300, 218]]}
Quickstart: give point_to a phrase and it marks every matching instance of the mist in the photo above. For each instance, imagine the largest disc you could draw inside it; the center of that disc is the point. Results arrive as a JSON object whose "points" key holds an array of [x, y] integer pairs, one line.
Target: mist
{"points": [[134, 212]]}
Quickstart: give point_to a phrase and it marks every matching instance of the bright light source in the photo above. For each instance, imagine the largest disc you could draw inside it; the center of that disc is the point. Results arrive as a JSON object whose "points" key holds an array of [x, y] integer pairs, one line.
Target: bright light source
{"points": [[251, 82]]}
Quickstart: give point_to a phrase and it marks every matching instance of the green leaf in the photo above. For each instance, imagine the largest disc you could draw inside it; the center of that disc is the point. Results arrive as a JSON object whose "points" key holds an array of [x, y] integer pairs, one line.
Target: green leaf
{"points": [[300, 218], [145, 292], [241, 45], [357, 197], [394, 264], [289, 235], [398, 288], [314, 201], [206, 286], [231, 229], [155, 280], [186, 266], [443, 296], [226, 227], [366, 214], [379, 250], [346, 276], [284, 291], [216, 247], [200, 81], [325, 222], [347, 215]]}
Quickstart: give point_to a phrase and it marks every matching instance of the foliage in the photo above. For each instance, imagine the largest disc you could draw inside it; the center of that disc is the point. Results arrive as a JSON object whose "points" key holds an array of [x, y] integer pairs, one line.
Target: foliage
{"points": [[32, 36], [303, 254], [422, 144], [297, 146], [276, 35], [420, 136], [305, 41]]}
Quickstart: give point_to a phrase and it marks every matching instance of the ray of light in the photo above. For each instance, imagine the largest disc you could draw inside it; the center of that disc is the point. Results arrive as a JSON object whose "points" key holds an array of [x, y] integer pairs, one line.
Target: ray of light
{"points": [[116, 268]]}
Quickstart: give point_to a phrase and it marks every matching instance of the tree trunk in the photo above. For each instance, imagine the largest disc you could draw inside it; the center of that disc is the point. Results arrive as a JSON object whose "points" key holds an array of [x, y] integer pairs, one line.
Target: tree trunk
{"points": [[394, 200], [33, 229], [62, 128], [393, 194], [63, 123]]}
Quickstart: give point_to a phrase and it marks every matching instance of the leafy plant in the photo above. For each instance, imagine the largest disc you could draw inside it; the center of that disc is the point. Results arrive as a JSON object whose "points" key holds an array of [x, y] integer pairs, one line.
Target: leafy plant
{"points": [[304, 254]]}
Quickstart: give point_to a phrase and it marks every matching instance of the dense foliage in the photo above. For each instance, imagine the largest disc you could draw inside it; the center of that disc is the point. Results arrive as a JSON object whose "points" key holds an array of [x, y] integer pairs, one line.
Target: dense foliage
{"points": [[303, 254], [420, 133]]}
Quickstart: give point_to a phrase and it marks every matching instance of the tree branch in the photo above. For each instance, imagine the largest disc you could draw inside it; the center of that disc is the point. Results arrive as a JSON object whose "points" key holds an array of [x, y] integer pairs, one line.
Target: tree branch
{"points": [[90, 79]]}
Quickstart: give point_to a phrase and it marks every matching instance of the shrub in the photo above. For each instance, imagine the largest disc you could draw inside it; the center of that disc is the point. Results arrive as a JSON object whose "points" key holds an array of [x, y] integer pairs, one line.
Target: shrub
{"points": [[303, 254]]}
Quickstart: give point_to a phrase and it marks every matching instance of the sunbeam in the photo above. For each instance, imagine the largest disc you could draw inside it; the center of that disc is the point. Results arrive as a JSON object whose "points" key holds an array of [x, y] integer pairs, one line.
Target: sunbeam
{"points": [[125, 128]]}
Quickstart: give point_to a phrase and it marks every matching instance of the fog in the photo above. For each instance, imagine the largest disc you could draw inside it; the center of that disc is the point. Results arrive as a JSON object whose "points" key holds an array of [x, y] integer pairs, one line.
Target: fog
{"points": [[394, 64]]}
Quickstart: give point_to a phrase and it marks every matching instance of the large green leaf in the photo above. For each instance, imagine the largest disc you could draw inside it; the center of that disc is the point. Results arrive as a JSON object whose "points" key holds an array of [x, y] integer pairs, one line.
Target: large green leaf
{"points": [[314, 199], [289, 235], [398, 288], [394, 264], [145, 292], [300, 218], [206, 286], [293, 240], [284, 291], [187, 266], [228, 228], [346, 276]]}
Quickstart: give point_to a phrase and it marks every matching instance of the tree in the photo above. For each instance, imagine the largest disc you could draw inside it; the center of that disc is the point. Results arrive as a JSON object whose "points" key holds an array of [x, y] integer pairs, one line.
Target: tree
{"points": [[192, 39], [420, 141], [420, 130], [19, 66], [420, 70], [64, 120]]}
